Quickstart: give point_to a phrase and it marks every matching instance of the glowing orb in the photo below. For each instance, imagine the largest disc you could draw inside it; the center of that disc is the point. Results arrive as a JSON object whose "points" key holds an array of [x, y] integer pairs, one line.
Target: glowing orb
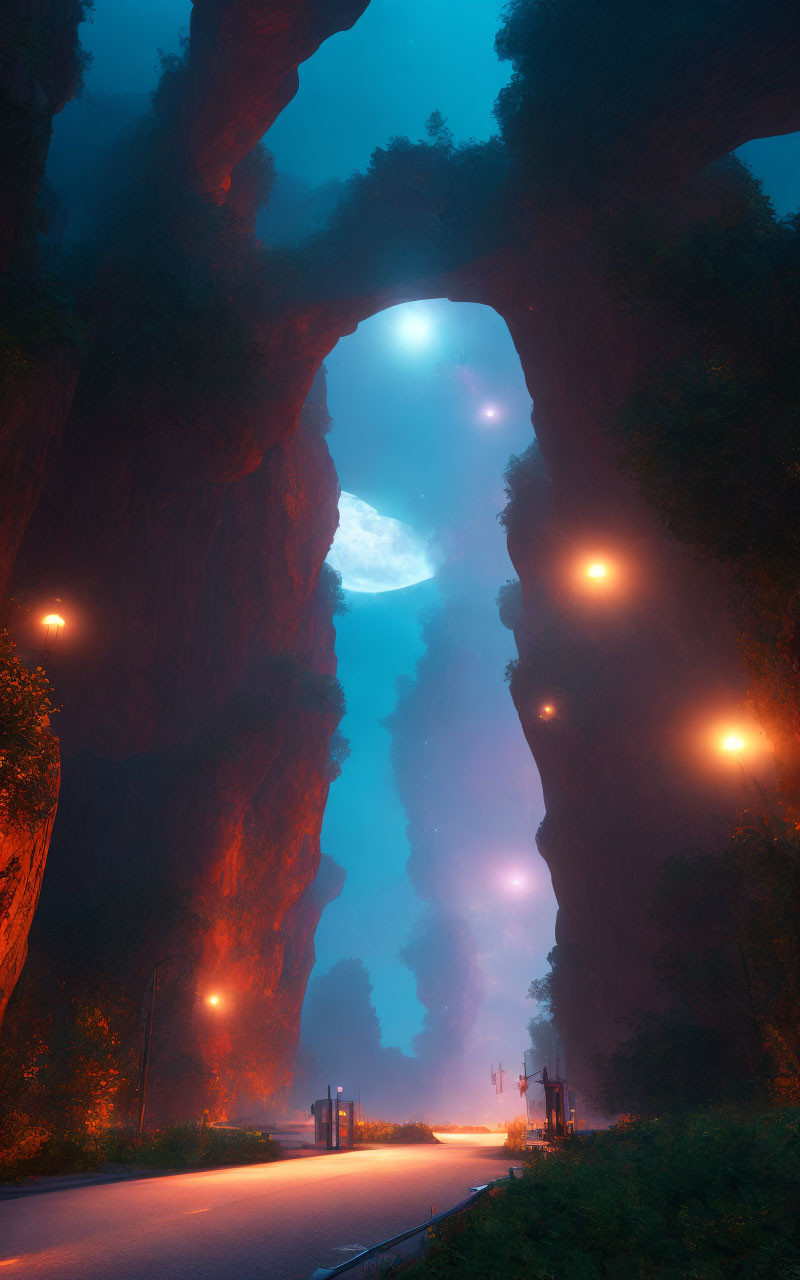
{"points": [[490, 412], [414, 327], [547, 712], [732, 742], [53, 620], [517, 882], [213, 1000], [597, 570], [376, 553]]}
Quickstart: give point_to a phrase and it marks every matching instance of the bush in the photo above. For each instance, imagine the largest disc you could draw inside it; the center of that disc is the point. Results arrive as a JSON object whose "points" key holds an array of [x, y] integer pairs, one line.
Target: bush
{"points": [[515, 1135], [387, 1131], [181, 1146], [28, 750], [462, 1128], [186, 1146], [708, 1198]]}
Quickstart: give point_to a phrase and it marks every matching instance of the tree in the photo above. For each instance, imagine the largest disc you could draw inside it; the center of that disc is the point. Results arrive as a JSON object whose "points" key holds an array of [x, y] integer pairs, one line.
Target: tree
{"points": [[28, 748]]}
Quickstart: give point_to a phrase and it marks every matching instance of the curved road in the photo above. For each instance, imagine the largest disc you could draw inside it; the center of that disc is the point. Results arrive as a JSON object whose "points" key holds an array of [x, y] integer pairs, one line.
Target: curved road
{"points": [[262, 1222]]}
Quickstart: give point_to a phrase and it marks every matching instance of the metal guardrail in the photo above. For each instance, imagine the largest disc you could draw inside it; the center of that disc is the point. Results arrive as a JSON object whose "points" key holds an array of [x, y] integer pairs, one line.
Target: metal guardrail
{"points": [[361, 1260]]}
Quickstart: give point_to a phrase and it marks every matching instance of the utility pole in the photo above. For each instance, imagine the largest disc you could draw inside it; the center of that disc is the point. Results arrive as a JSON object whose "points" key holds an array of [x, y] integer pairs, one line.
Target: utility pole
{"points": [[150, 999], [148, 1031]]}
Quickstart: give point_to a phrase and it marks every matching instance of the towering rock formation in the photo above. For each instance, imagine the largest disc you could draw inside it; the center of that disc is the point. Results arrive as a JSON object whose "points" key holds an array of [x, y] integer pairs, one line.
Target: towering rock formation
{"points": [[188, 515], [184, 531], [40, 67]]}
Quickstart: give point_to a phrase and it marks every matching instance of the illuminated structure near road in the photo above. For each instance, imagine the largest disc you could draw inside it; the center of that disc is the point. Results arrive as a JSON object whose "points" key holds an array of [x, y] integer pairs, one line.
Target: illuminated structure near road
{"points": [[334, 1122], [559, 1107]]}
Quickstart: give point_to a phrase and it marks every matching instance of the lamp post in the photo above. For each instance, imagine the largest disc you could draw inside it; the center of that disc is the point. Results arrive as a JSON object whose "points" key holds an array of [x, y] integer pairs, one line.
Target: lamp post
{"points": [[53, 625], [150, 998], [734, 744]]}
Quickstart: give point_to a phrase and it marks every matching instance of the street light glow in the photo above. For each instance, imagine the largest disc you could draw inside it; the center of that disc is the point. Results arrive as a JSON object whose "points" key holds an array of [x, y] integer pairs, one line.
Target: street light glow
{"points": [[547, 712], [597, 570], [53, 620], [732, 743], [213, 1000]]}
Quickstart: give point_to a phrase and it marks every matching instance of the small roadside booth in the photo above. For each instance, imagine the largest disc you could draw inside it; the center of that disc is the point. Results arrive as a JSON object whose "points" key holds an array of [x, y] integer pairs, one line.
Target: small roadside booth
{"points": [[559, 1107], [334, 1122]]}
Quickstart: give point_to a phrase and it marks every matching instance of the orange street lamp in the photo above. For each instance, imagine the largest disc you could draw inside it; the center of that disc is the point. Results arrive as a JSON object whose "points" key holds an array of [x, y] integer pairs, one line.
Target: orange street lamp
{"points": [[732, 743], [53, 625], [214, 999], [597, 571], [547, 712]]}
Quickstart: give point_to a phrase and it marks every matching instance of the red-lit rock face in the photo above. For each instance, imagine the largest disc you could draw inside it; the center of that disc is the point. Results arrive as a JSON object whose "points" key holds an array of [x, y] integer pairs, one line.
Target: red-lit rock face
{"points": [[632, 667], [30, 431], [197, 758], [242, 71], [23, 854]]}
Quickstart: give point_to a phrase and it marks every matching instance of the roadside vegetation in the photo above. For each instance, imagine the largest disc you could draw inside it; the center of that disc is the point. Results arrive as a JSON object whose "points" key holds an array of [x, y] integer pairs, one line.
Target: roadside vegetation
{"points": [[465, 1128], [710, 1196], [389, 1132], [515, 1135], [181, 1146]]}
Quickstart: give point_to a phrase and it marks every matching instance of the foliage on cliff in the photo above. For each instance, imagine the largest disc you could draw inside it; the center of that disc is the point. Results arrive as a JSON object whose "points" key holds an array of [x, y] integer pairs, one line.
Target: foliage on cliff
{"points": [[710, 1196], [603, 96], [35, 42], [729, 968], [419, 208], [28, 748], [528, 492]]}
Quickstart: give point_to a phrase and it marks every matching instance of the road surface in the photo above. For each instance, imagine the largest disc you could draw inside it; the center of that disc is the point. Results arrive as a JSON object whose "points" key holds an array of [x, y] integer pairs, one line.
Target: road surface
{"points": [[262, 1222]]}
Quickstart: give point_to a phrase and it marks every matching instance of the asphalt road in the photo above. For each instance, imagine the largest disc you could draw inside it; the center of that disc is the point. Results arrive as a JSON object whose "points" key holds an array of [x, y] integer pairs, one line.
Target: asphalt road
{"points": [[262, 1222]]}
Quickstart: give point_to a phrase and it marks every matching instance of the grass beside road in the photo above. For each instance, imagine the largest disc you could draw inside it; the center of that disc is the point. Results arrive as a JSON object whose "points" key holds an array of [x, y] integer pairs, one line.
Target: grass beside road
{"points": [[710, 1196], [181, 1146], [389, 1132]]}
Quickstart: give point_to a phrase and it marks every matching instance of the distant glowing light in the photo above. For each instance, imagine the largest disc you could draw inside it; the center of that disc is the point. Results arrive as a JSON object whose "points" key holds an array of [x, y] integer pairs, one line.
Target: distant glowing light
{"points": [[547, 712], [414, 327], [732, 743], [597, 570], [53, 620], [375, 553], [490, 412], [215, 1000], [517, 884]]}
